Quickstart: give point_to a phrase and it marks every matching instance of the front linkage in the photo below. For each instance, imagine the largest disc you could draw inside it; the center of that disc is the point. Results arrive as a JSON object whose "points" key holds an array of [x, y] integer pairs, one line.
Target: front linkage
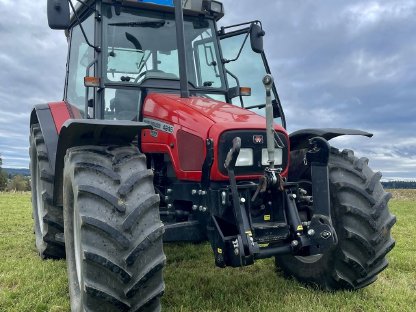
{"points": [[281, 231]]}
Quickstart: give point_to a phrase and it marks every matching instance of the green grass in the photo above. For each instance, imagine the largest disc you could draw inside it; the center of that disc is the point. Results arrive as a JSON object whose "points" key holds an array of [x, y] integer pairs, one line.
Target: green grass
{"points": [[193, 283]]}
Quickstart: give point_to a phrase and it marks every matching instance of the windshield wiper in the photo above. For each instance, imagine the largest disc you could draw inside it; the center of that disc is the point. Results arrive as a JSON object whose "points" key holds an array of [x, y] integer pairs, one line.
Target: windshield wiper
{"points": [[149, 24]]}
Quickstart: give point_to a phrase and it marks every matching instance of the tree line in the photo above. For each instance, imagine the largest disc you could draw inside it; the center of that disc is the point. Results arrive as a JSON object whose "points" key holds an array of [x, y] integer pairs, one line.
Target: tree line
{"points": [[399, 184], [10, 183]]}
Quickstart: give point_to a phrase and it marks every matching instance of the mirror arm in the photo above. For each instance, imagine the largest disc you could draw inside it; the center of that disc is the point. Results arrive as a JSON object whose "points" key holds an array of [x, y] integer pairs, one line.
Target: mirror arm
{"points": [[91, 8], [223, 28], [97, 49]]}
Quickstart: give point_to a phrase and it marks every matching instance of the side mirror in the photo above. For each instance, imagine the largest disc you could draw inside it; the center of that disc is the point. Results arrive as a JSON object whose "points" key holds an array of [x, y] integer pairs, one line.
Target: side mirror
{"points": [[58, 14], [256, 38]]}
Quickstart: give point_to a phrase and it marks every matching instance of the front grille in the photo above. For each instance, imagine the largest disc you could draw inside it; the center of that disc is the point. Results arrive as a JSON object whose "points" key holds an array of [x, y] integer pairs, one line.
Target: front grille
{"points": [[248, 138]]}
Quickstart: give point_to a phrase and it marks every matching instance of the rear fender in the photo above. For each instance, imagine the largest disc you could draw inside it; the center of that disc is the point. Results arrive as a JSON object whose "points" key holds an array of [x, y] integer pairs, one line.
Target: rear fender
{"points": [[41, 114], [81, 132], [300, 139]]}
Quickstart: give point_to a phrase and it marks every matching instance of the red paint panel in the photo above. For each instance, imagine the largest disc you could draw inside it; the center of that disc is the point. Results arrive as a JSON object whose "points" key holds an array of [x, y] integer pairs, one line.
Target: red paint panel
{"points": [[201, 117], [60, 114]]}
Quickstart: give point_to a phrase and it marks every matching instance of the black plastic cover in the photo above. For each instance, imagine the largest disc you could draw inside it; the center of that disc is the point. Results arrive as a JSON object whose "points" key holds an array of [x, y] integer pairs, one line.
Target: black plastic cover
{"points": [[58, 14], [300, 139]]}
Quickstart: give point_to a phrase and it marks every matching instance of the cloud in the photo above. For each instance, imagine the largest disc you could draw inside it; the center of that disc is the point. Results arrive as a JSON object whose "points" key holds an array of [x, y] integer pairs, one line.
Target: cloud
{"points": [[336, 63]]}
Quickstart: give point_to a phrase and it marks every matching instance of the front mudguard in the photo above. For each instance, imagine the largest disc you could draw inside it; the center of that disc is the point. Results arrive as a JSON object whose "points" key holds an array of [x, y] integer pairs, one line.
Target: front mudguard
{"points": [[300, 139], [81, 132], [299, 144]]}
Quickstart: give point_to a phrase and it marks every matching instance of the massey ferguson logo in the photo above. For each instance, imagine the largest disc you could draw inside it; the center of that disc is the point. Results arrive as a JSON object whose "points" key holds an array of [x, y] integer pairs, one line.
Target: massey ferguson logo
{"points": [[258, 139]]}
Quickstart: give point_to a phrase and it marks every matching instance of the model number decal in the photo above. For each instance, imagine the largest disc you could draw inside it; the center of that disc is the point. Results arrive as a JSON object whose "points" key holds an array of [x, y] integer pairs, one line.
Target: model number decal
{"points": [[158, 125]]}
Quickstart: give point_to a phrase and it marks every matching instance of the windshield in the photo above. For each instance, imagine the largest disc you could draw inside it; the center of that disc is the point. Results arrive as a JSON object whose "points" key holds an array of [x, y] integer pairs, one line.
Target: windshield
{"points": [[141, 45]]}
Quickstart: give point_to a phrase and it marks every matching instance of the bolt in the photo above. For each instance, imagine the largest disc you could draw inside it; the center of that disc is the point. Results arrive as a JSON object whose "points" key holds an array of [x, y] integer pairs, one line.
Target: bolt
{"points": [[166, 198], [169, 191], [267, 81], [194, 207], [201, 208], [269, 203], [294, 243], [170, 206], [243, 200], [223, 197], [204, 209], [293, 196], [193, 192], [236, 252], [326, 234], [311, 232]]}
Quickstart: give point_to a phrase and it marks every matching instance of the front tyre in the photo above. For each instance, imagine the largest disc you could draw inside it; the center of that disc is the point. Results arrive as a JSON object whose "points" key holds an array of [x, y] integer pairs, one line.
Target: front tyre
{"points": [[362, 221], [113, 232]]}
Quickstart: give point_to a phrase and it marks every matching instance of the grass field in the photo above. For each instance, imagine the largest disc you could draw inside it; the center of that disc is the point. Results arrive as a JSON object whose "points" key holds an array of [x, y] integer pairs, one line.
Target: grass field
{"points": [[193, 283]]}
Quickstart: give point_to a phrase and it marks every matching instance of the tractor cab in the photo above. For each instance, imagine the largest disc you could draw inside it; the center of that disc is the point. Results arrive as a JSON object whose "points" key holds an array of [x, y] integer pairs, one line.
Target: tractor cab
{"points": [[120, 51]]}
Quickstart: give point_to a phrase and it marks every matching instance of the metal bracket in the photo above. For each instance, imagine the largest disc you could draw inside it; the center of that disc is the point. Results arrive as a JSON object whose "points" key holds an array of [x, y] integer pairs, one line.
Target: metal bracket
{"points": [[240, 213], [318, 157]]}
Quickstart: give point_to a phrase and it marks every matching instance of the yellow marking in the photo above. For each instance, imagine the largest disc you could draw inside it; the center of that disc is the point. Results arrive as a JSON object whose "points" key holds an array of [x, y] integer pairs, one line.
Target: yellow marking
{"points": [[299, 228], [266, 217], [219, 250], [249, 233], [264, 245]]}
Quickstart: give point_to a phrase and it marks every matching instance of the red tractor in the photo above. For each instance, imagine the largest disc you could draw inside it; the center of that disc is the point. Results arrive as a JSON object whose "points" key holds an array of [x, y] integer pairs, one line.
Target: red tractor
{"points": [[157, 140]]}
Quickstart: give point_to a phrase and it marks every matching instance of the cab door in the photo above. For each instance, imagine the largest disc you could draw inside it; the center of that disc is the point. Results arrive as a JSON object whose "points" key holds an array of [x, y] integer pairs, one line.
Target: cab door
{"points": [[246, 65]]}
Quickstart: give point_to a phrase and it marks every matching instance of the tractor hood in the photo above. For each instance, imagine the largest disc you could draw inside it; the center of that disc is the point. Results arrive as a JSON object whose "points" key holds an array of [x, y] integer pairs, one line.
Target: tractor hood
{"points": [[199, 114], [182, 127]]}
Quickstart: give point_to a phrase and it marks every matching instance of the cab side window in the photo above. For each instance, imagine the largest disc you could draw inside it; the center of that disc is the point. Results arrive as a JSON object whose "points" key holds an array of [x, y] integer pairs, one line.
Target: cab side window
{"points": [[81, 55]]}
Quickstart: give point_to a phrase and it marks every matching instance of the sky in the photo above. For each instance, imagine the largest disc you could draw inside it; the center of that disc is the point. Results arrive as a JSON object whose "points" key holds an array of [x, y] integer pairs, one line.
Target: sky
{"points": [[336, 63]]}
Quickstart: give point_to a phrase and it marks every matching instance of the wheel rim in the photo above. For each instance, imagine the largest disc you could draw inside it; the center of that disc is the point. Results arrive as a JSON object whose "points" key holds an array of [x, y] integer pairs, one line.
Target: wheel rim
{"points": [[39, 201]]}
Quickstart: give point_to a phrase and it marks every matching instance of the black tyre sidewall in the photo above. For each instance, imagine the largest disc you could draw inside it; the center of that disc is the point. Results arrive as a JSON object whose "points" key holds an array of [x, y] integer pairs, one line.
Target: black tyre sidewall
{"points": [[76, 295], [37, 211]]}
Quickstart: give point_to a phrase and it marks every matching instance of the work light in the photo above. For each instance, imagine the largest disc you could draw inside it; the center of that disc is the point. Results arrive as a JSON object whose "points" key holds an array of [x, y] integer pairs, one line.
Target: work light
{"points": [[245, 158]]}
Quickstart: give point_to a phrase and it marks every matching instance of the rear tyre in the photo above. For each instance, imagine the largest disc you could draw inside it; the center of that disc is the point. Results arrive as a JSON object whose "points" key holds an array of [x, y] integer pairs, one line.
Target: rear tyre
{"points": [[362, 222], [48, 218], [113, 232]]}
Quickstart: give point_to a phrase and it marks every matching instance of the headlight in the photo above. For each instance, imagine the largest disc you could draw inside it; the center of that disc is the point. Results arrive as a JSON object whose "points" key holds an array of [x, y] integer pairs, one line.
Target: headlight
{"points": [[245, 158], [278, 157]]}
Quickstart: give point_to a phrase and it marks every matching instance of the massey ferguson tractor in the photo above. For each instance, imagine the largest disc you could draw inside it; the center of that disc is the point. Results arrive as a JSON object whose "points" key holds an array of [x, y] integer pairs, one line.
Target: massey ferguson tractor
{"points": [[171, 129]]}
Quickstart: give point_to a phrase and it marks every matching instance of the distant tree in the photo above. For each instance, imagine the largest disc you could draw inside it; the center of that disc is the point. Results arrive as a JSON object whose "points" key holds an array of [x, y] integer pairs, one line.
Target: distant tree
{"points": [[3, 177], [19, 183], [3, 181]]}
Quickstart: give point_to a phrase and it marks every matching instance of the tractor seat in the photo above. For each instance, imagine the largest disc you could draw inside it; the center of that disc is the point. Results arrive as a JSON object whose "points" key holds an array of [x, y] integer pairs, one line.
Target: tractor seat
{"points": [[125, 104]]}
